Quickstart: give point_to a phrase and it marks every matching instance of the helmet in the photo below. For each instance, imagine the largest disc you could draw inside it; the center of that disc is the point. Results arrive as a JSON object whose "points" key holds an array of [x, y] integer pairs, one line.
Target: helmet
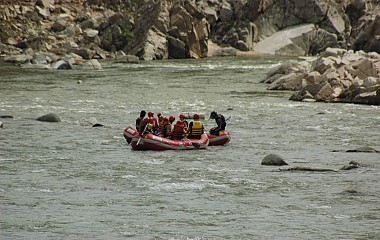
{"points": [[182, 116], [171, 119], [150, 114], [213, 114], [196, 116], [179, 122], [166, 119], [159, 115]]}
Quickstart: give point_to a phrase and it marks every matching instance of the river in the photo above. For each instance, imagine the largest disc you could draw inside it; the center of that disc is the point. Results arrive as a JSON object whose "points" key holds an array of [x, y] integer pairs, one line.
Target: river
{"points": [[68, 180]]}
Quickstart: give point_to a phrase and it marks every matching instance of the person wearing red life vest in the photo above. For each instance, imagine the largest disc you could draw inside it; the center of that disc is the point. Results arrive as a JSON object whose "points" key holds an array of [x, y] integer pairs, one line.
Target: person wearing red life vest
{"points": [[196, 128], [153, 127], [178, 131], [171, 121], [182, 117]]}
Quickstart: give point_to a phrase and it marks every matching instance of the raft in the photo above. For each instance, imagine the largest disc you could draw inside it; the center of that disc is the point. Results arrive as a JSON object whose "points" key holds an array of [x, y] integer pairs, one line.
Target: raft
{"points": [[223, 138], [152, 142]]}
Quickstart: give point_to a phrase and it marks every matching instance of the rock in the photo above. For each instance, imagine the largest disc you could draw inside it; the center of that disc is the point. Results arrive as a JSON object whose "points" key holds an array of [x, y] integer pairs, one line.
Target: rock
{"points": [[349, 167], [59, 25], [35, 66], [360, 164], [143, 28], [336, 76], [6, 116], [308, 169], [273, 160], [364, 149], [84, 52], [22, 58], [50, 117], [92, 64], [225, 51], [350, 192], [366, 36], [292, 81], [1, 124], [324, 93], [279, 42], [127, 59], [90, 33], [61, 64], [93, 122], [177, 48]]}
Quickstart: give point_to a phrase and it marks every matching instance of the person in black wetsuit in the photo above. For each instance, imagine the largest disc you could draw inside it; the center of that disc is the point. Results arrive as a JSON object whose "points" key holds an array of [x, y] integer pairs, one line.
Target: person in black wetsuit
{"points": [[220, 121], [140, 123]]}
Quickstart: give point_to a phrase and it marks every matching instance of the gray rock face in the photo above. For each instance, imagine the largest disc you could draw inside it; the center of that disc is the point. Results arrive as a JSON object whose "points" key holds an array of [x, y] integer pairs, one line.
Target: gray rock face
{"points": [[281, 41]]}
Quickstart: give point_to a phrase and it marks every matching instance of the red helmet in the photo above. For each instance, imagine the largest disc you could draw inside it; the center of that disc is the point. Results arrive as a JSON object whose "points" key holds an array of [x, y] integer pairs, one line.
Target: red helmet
{"points": [[196, 116], [150, 114], [159, 114], [182, 116], [166, 119], [171, 119]]}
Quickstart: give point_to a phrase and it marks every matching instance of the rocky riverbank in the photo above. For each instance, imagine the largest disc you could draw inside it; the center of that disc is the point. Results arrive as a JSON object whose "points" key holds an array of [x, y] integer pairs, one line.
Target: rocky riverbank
{"points": [[97, 29], [64, 34], [337, 75]]}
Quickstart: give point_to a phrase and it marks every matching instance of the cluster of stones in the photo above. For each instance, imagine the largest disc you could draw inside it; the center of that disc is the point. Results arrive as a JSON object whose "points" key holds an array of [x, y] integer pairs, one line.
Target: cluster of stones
{"points": [[337, 75]]}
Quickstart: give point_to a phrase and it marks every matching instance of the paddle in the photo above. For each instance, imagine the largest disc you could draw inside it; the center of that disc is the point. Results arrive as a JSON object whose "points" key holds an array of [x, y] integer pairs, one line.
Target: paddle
{"points": [[196, 145], [138, 141]]}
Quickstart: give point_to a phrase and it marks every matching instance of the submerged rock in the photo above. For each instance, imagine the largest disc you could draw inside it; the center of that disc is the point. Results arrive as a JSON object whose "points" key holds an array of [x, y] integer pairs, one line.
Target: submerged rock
{"points": [[308, 169], [364, 149], [349, 167], [6, 116], [50, 117], [273, 160]]}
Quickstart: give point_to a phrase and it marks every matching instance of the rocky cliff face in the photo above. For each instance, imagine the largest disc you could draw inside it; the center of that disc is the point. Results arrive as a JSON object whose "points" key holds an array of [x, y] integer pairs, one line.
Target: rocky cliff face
{"points": [[153, 29]]}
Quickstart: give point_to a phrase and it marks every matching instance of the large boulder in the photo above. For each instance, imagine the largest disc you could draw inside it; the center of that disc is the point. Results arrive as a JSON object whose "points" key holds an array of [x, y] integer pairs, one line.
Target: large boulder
{"points": [[50, 117], [273, 160], [283, 43], [189, 31], [149, 34]]}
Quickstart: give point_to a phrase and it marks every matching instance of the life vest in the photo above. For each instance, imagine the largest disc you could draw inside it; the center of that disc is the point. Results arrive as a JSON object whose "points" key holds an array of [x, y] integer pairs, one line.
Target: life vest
{"points": [[178, 130], [164, 130], [161, 122], [185, 123], [197, 128], [153, 125]]}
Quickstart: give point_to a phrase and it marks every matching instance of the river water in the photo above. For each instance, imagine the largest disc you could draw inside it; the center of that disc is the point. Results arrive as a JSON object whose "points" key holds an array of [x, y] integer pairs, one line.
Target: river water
{"points": [[68, 180]]}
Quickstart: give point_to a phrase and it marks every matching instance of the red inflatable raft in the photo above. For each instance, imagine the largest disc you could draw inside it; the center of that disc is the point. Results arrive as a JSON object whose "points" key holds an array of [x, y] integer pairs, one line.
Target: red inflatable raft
{"points": [[157, 143], [223, 138]]}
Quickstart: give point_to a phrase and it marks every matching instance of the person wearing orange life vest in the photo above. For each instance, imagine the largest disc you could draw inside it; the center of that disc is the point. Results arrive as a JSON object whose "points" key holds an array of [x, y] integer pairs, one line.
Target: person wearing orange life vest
{"points": [[166, 130], [178, 131], [196, 128]]}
